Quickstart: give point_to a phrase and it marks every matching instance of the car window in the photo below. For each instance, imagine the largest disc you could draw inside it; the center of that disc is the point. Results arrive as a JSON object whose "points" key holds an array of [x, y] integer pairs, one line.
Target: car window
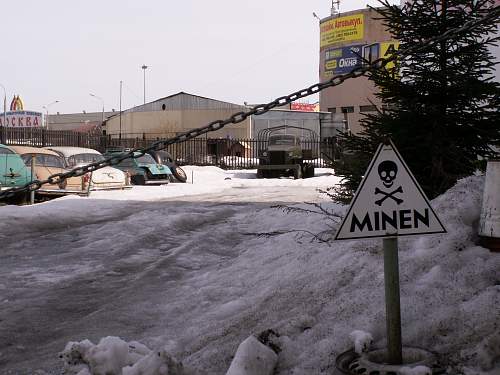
{"points": [[84, 159], [126, 163], [283, 140], [5, 151], [146, 159], [44, 160], [165, 156]]}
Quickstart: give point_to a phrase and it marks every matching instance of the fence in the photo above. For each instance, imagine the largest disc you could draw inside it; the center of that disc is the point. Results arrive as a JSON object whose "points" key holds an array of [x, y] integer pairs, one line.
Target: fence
{"points": [[224, 153]]}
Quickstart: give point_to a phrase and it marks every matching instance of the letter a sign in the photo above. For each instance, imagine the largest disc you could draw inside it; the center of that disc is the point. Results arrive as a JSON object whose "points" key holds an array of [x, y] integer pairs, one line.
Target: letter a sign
{"points": [[389, 202]]}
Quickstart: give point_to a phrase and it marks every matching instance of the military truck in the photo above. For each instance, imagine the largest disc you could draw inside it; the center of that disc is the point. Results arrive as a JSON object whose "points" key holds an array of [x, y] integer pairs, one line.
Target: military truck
{"points": [[286, 151]]}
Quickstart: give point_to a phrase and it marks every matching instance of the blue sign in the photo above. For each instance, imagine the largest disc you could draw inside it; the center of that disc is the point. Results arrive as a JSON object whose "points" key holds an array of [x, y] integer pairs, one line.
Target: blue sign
{"points": [[343, 60]]}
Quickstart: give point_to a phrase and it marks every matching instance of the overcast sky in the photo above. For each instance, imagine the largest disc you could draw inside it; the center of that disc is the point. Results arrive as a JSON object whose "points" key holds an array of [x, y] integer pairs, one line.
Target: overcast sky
{"points": [[231, 50]]}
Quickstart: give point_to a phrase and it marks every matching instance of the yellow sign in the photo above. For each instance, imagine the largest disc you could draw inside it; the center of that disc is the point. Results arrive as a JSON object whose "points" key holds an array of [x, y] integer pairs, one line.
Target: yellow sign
{"points": [[331, 65], [342, 29], [386, 50]]}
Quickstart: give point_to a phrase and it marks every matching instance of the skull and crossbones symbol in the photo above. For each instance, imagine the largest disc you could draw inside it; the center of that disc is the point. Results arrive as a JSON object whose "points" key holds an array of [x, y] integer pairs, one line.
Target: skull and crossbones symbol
{"points": [[387, 171]]}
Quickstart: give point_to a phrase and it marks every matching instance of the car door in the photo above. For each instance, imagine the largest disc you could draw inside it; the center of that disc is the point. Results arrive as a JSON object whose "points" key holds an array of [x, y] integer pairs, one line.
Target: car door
{"points": [[13, 172]]}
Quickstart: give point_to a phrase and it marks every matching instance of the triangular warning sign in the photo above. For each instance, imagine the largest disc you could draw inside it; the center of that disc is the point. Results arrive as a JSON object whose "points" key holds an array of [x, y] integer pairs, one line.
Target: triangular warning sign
{"points": [[389, 202]]}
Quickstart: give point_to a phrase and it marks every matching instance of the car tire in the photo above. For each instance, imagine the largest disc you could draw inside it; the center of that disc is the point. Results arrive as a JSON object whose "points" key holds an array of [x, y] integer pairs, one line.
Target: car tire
{"points": [[138, 179], [297, 173], [308, 171], [179, 174]]}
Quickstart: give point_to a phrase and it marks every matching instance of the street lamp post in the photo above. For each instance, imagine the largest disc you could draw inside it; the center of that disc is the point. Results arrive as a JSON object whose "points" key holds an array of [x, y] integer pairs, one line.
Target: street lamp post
{"points": [[4, 124], [47, 111], [102, 101], [144, 67]]}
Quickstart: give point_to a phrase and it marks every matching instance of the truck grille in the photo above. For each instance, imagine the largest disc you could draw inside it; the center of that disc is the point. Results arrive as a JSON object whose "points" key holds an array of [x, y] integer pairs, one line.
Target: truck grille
{"points": [[277, 157]]}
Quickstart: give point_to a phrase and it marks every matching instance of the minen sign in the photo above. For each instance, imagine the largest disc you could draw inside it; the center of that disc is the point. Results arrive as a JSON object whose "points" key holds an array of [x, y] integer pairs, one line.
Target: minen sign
{"points": [[389, 202]]}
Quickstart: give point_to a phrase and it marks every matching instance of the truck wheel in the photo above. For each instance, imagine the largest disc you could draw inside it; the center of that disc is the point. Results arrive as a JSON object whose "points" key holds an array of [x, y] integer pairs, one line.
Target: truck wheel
{"points": [[138, 179], [297, 173], [308, 171], [259, 173]]}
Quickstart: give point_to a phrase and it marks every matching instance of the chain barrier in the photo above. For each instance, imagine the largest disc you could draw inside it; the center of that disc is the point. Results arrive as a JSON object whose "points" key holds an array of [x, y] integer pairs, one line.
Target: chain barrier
{"points": [[259, 109]]}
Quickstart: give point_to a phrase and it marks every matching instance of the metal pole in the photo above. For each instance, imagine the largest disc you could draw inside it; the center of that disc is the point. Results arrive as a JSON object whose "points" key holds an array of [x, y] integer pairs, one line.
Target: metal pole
{"points": [[392, 301], [33, 175], [144, 67], [47, 110], [120, 134], [4, 115]]}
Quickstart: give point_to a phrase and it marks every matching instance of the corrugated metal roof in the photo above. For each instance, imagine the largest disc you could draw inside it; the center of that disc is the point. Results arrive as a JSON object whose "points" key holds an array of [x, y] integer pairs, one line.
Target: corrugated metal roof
{"points": [[184, 101]]}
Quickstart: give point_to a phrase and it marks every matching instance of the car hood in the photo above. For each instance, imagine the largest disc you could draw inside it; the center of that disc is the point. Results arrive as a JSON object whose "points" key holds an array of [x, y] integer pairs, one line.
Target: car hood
{"points": [[108, 175], [156, 168]]}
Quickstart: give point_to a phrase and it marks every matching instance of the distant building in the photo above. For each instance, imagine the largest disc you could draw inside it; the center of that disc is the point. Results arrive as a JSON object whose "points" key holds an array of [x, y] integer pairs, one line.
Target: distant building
{"points": [[84, 122], [345, 39], [176, 114]]}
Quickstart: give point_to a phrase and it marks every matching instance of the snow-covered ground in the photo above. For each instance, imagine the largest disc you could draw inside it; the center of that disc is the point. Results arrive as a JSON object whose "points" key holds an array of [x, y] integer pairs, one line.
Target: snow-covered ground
{"points": [[192, 270]]}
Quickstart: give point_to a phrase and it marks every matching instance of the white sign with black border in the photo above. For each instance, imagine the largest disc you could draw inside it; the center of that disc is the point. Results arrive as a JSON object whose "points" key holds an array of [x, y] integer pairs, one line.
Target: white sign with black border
{"points": [[389, 202]]}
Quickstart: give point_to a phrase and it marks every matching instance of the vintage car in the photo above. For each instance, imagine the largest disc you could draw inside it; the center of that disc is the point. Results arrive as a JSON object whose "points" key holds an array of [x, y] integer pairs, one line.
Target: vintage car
{"points": [[164, 157], [143, 170], [13, 171], [106, 178], [47, 163]]}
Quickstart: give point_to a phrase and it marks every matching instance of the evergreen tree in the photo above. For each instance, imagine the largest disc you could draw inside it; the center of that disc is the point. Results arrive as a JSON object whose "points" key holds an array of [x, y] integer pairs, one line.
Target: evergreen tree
{"points": [[440, 105]]}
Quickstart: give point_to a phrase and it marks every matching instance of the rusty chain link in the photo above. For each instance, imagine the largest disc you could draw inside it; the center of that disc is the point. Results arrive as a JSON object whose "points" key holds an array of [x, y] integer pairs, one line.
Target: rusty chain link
{"points": [[259, 109]]}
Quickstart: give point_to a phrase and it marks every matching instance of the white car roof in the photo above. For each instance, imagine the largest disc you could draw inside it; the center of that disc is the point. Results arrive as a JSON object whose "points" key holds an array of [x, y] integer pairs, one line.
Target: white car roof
{"points": [[70, 151]]}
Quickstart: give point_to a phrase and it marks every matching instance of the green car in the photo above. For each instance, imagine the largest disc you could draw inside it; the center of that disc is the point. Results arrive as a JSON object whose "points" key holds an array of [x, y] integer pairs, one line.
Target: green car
{"points": [[143, 170], [13, 171]]}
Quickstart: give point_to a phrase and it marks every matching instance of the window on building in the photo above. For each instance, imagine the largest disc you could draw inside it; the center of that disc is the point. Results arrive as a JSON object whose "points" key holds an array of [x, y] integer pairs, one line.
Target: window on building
{"points": [[371, 52], [332, 110], [347, 109], [367, 108]]}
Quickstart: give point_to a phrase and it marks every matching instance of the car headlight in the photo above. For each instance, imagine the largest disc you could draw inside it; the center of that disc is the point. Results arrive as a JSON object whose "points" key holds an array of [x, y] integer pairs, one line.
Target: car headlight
{"points": [[264, 153]]}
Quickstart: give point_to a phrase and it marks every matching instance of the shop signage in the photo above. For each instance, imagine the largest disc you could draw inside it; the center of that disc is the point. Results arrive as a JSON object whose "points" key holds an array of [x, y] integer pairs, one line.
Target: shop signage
{"points": [[305, 107], [343, 60], [386, 50], [22, 119], [342, 29]]}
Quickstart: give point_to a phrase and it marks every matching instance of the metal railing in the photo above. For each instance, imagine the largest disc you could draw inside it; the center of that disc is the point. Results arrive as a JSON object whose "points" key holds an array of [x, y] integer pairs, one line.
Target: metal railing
{"points": [[224, 153]]}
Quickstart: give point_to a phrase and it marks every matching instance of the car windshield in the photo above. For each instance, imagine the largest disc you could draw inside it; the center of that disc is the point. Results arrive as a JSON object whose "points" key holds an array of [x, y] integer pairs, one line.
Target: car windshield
{"points": [[146, 159], [79, 159], [44, 160], [283, 140], [164, 156]]}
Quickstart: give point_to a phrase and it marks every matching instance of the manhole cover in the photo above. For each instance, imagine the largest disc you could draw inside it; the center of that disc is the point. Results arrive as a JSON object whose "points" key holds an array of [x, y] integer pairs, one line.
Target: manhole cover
{"points": [[374, 362]]}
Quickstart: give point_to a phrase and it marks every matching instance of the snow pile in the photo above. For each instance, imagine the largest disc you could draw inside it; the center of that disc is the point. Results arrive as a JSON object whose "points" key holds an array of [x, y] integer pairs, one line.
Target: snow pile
{"points": [[113, 356], [207, 274], [417, 370], [253, 358], [361, 341]]}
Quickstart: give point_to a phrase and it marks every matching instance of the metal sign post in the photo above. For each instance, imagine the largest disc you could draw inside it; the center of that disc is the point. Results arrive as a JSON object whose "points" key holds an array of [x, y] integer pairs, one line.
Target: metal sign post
{"points": [[389, 203], [33, 177], [392, 301]]}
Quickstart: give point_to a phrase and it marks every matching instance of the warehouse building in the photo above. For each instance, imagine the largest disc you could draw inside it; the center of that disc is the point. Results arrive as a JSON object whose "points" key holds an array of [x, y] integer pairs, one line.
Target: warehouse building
{"points": [[175, 114]]}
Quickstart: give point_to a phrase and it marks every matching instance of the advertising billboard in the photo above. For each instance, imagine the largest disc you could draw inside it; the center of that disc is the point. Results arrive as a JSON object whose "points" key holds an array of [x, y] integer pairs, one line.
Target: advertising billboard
{"points": [[344, 59], [22, 119], [386, 50], [305, 107], [342, 29]]}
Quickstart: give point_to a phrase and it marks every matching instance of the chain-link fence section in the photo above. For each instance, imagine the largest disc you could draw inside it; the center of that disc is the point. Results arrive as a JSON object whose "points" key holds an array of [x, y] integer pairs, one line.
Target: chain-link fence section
{"points": [[238, 117]]}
